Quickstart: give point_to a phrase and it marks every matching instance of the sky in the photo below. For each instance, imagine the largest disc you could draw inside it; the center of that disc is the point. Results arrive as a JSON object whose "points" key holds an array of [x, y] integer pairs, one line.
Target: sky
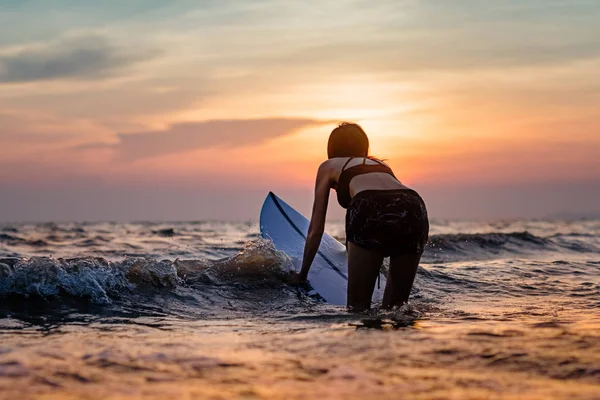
{"points": [[195, 110]]}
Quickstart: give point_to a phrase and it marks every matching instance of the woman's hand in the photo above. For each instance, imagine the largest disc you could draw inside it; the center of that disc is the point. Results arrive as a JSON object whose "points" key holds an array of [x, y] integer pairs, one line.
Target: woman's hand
{"points": [[294, 278]]}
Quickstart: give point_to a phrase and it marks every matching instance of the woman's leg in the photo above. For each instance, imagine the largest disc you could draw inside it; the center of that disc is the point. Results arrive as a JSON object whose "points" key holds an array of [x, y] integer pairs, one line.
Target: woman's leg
{"points": [[363, 267], [401, 276]]}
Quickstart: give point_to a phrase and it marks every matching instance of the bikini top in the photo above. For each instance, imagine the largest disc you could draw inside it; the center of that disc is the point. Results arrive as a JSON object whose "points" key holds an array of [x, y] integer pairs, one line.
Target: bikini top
{"points": [[343, 185]]}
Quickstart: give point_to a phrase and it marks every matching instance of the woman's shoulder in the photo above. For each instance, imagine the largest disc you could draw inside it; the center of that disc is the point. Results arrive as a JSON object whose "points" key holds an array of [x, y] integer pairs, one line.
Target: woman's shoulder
{"points": [[334, 163], [331, 168]]}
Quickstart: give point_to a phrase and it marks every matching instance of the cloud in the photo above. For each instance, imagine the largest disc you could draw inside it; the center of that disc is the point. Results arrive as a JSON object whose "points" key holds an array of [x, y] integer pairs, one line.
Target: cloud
{"points": [[21, 129], [32, 135], [183, 137], [75, 58]]}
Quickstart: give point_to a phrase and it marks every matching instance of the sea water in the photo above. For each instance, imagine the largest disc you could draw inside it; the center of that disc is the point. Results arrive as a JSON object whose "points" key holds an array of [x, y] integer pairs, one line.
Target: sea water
{"points": [[500, 309]]}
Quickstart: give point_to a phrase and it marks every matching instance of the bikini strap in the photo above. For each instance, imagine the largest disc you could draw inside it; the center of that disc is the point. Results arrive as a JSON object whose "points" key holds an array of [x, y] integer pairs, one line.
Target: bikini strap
{"points": [[344, 167]]}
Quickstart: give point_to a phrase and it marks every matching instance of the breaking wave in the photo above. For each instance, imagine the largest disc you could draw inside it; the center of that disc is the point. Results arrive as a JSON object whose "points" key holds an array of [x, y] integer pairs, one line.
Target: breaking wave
{"points": [[102, 281]]}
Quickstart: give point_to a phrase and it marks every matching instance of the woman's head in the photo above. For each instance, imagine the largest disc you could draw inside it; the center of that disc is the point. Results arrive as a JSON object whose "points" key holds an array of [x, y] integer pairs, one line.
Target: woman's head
{"points": [[348, 140]]}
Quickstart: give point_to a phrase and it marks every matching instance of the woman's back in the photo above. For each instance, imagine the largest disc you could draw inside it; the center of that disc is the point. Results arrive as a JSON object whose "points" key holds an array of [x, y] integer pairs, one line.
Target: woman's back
{"points": [[352, 175]]}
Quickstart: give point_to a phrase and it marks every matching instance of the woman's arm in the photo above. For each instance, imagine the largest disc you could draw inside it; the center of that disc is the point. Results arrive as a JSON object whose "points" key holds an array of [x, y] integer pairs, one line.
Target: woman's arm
{"points": [[317, 220]]}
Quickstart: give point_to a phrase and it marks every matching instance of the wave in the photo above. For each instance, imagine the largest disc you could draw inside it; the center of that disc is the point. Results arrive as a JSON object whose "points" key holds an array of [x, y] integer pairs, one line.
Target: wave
{"points": [[166, 232], [14, 240], [453, 247], [102, 281], [252, 276]]}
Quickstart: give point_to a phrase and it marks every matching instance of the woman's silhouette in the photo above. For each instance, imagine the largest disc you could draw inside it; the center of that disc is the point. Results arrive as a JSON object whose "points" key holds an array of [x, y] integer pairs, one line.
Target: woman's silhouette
{"points": [[384, 218]]}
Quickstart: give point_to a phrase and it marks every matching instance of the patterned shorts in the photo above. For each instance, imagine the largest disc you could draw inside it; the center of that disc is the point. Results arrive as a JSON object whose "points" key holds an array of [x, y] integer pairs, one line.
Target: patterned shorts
{"points": [[393, 222]]}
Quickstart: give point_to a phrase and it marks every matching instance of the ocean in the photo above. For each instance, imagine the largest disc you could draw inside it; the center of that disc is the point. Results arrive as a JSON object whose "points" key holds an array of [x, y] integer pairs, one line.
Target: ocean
{"points": [[194, 310]]}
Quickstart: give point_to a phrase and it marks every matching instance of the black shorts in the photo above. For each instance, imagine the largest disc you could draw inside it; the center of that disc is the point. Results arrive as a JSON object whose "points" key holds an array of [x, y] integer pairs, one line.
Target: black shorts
{"points": [[393, 222]]}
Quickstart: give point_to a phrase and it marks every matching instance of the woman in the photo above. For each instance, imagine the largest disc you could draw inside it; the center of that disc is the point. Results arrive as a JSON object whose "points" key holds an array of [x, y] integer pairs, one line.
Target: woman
{"points": [[384, 218]]}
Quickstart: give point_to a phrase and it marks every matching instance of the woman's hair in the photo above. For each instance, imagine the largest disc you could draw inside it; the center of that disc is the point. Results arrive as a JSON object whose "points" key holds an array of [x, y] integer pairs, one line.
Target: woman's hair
{"points": [[348, 140]]}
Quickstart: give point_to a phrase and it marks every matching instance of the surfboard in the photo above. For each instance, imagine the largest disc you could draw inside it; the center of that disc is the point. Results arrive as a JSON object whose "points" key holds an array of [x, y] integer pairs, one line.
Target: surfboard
{"points": [[287, 228]]}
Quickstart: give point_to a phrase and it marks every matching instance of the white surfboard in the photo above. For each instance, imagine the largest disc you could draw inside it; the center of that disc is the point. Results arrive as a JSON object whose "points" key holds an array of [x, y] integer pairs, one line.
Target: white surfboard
{"points": [[287, 229]]}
